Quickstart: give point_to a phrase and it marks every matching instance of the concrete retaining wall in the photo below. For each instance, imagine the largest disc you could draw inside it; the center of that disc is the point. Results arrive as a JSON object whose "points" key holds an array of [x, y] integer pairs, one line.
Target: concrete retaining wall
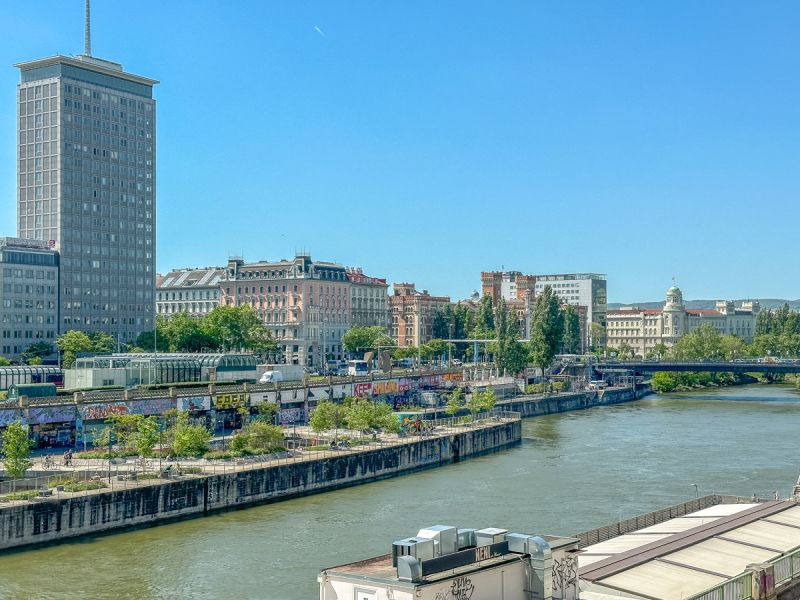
{"points": [[44, 521], [529, 406]]}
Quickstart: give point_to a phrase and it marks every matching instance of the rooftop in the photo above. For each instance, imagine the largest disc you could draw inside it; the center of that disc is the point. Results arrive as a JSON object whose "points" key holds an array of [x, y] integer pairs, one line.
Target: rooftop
{"points": [[687, 555]]}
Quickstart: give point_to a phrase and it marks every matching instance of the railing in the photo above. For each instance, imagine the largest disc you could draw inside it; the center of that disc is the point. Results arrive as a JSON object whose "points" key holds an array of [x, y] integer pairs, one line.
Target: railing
{"points": [[607, 532], [787, 567], [101, 475], [89, 396], [738, 588]]}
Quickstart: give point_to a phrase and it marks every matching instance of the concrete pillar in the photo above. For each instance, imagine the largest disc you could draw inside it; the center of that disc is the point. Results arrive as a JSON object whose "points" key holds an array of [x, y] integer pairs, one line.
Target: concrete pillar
{"points": [[77, 397], [126, 395], [172, 393], [23, 402], [763, 581]]}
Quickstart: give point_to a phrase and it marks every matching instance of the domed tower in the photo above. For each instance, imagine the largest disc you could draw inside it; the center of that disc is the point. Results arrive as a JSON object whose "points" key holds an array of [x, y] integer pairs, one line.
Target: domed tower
{"points": [[674, 315]]}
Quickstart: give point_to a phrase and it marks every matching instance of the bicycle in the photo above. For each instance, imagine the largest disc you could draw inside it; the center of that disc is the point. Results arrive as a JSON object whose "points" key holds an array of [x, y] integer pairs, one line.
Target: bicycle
{"points": [[48, 463]]}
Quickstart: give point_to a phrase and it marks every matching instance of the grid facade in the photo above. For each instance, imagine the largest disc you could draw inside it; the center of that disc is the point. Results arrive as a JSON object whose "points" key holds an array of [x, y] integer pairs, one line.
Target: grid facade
{"points": [[28, 295], [86, 185]]}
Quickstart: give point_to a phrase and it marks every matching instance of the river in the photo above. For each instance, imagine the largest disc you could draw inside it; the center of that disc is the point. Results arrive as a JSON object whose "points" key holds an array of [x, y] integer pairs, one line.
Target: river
{"points": [[573, 471]]}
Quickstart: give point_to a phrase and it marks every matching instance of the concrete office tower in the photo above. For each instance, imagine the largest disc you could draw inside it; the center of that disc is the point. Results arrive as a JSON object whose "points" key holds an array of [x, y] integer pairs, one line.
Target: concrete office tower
{"points": [[86, 184]]}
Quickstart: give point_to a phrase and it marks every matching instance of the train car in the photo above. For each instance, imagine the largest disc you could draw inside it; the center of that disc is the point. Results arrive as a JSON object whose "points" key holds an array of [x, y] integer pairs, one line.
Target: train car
{"points": [[30, 374]]}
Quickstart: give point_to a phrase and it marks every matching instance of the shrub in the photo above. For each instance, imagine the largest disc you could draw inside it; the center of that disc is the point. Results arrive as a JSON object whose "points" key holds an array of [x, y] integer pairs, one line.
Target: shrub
{"points": [[82, 486], [26, 495]]}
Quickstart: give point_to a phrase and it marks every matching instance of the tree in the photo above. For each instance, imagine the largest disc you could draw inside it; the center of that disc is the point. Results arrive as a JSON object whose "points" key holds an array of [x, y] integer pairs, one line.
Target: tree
{"points": [[237, 328], [571, 338], [146, 436], [484, 318], [38, 350], [263, 436], [189, 440], [71, 343], [102, 343], [509, 353], [384, 418], [184, 333], [598, 336], [16, 450], [455, 402], [546, 329], [360, 414], [361, 339], [267, 412], [442, 321], [435, 348], [474, 403], [487, 399], [704, 342], [326, 416]]}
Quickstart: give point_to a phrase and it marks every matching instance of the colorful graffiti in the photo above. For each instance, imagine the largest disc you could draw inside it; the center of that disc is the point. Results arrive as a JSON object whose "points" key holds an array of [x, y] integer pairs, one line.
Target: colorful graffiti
{"points": [[9, 416], [385, 387], [361, 390], [225, 401], [151, 406], [51, 414], [193, 403], [99, 412]]}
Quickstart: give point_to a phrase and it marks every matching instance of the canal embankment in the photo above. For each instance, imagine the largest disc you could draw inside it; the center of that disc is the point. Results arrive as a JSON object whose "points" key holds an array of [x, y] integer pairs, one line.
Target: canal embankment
{"points": [[141, 503], [535, 406]]}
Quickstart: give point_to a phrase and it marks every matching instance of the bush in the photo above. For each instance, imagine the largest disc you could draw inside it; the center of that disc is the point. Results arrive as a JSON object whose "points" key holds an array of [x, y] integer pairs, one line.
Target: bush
{"points": [[26, 495], [82, 486]]}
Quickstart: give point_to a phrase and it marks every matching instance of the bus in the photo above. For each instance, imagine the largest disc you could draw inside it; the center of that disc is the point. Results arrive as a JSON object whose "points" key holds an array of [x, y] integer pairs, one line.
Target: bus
{"points": [[357, 367]]}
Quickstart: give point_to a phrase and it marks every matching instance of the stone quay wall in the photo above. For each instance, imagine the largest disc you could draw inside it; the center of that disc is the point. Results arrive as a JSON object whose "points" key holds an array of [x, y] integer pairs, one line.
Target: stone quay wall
{"points": [[536, 406], [50, 520]]}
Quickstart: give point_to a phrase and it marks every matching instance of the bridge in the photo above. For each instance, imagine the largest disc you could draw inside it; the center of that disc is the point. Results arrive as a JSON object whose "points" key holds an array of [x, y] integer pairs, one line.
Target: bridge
{"points": [[713, 366]]}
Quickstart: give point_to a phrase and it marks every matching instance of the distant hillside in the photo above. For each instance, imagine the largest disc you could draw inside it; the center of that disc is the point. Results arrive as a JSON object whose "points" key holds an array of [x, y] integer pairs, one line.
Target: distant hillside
{"points": [[765, 303]]}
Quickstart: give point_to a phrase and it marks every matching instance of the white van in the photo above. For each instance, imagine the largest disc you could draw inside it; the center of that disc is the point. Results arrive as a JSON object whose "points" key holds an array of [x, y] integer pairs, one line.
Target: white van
{"points": [[271, 377]]}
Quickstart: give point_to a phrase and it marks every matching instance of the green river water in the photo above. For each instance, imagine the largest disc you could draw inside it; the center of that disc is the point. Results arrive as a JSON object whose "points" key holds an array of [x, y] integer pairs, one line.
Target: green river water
{"points": [[573, 471]]}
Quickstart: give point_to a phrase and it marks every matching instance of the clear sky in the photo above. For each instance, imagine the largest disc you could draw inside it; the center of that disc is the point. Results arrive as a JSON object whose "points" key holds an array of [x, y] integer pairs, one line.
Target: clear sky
{"points": [[428, 141]]}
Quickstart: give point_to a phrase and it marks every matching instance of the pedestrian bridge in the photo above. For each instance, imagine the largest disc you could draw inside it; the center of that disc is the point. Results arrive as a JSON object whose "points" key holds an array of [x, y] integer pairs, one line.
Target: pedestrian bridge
{"points": [[713, 366]]}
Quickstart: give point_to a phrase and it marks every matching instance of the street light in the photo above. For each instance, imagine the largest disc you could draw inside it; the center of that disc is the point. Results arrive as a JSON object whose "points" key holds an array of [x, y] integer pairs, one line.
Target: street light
{"points": [[696, 495]]}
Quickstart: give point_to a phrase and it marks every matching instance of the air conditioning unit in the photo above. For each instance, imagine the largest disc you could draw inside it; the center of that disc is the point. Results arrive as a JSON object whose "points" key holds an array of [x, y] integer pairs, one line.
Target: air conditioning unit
{"points": [[444, 538], [489, 536], [466, 538], [416, 547]]}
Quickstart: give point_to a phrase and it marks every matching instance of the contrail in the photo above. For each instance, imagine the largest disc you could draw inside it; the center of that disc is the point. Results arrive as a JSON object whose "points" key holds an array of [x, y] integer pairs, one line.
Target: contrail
{"points": [[319, 31]]}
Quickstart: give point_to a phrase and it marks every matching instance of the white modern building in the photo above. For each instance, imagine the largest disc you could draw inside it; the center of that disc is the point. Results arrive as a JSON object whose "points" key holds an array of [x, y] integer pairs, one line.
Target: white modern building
{"points": [[443, 562], [579, 289]]}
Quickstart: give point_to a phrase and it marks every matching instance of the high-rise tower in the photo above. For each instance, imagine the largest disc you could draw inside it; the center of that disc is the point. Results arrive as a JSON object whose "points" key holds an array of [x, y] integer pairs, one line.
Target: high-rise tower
{"points": [[87, 184]]}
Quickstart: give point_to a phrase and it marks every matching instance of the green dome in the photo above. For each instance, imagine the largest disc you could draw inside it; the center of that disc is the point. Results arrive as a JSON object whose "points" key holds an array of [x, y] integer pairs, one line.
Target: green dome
{"points": [[674, 290]]}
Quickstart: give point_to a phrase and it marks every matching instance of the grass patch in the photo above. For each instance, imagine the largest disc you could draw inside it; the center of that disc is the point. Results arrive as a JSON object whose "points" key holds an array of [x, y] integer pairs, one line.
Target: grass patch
{"points": [[82, 486], [26, 495], [317, 448], [141, 476]]}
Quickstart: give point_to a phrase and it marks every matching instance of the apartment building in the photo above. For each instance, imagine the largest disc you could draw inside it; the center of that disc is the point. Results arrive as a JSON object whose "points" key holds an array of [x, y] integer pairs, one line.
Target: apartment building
{"points": [[369, 302], [412, 313], [195, 291], [642, 330]]}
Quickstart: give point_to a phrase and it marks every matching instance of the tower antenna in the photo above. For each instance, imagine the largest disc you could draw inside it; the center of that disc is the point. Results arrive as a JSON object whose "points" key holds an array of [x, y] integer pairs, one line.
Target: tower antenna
{"points": [[87, 36]]}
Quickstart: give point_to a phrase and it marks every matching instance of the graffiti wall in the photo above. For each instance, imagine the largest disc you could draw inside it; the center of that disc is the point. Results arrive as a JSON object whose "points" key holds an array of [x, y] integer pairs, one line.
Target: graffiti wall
{"points": [[100, 412], [194, 403], [287, 416], [51, 414], [225, 401], [151, 406]]}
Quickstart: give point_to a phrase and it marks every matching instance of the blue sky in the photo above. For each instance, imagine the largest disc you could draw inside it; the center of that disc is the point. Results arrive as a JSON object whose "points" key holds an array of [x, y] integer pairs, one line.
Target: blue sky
{"points": [[428, 141]]}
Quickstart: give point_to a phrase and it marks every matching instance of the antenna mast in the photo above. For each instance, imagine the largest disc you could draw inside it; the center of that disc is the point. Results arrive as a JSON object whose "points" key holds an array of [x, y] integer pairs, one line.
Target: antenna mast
{"points": [[87, 36]]}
